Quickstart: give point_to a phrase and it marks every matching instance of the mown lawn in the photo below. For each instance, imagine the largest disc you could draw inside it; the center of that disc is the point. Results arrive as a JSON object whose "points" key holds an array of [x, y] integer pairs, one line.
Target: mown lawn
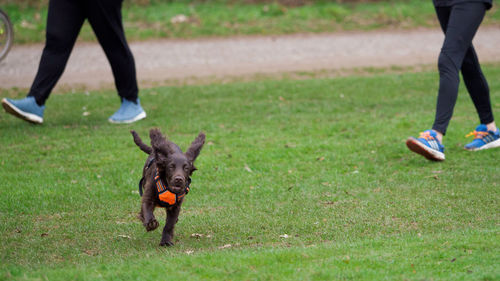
{"points": [[162, 19], [306, 180]]}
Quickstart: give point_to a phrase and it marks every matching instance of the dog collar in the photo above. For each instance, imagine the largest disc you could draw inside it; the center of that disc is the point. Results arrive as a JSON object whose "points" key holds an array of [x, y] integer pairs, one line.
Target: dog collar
{"points": [[164, 194]]}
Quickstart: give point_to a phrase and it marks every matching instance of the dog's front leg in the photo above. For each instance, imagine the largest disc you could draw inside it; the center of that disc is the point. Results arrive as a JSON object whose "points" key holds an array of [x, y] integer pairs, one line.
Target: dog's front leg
{"points": [[168, 230], [148, 217]]}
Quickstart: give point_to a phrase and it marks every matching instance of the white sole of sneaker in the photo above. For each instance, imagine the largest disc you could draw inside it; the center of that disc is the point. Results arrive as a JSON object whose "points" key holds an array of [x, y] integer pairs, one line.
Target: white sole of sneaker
{"points": [[10, 108], [140, 116], [429, 153], [492, 144]]}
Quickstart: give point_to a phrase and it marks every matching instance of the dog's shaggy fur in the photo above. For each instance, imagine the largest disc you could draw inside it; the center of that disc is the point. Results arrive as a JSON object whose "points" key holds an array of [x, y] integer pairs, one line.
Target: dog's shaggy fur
{"points": [[175, 169]]}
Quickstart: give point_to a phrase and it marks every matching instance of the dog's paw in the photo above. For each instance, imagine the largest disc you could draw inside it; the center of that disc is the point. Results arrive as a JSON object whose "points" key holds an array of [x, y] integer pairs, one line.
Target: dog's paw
{"points": [[152, 225], [166, 244]]}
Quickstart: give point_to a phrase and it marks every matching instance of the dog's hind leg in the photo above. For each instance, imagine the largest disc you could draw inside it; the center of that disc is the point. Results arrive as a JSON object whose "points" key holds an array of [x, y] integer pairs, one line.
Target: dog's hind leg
{"points": [[168, 230], [147, 216]]}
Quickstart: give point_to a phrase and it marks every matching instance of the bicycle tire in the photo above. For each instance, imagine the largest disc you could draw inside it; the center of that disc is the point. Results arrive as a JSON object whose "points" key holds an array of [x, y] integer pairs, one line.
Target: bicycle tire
{"points": [[6, 23]]}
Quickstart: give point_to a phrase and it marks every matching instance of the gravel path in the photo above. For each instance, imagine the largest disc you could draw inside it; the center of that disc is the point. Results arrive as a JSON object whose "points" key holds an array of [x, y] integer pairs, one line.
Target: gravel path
{"points": [[242, 56]]}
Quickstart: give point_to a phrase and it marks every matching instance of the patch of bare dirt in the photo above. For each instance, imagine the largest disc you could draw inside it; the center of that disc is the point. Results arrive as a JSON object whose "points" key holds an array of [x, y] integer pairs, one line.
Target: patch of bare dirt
{"points": [[299, 56]]}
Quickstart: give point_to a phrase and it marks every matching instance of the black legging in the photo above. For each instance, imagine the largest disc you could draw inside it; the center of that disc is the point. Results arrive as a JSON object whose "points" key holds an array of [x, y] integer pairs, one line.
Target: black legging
{"points": [[64, 21], [460, 23]]}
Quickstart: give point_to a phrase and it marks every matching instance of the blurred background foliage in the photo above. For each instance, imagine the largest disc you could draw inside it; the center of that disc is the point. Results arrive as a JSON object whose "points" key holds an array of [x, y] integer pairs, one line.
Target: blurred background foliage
{"points": [[37, 3], [153, 19]]}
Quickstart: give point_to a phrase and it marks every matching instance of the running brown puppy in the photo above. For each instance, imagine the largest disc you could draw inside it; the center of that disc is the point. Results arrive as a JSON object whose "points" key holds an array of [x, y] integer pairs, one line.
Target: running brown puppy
{"points": [[165, 180]]}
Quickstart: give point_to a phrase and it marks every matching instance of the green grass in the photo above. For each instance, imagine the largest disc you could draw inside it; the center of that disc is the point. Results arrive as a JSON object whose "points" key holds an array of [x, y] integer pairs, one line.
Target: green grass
{"points": [[229, 18], [321, 160]]}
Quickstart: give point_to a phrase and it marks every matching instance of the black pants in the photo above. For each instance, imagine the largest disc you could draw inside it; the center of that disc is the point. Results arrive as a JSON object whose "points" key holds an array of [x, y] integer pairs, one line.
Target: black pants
{"points": [[460, 23], [64, 21]]}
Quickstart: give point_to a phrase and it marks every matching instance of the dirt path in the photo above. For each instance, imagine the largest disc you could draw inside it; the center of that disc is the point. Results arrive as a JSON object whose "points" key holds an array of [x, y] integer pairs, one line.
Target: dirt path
{"points": [[162, 60]]}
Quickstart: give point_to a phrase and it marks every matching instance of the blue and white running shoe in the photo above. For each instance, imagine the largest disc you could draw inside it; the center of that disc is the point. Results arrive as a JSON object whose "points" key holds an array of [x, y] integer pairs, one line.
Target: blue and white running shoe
{"points": [[26, 109], [483, 139], [128, 112], [427, 145]]}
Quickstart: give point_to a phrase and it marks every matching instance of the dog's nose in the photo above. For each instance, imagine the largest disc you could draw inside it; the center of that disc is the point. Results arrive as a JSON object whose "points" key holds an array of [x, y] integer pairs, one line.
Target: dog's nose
{"points": [[178, 180]]}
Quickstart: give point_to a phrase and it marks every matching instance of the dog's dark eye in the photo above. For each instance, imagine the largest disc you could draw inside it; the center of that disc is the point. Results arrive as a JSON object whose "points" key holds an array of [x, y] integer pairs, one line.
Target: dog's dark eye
{"points": [[171, 166], [186, 168]]}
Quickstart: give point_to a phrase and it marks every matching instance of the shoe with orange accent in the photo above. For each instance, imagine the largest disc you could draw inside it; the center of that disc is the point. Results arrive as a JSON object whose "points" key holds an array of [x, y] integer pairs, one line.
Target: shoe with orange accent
{"points": [[427, 145], [483, 139]]}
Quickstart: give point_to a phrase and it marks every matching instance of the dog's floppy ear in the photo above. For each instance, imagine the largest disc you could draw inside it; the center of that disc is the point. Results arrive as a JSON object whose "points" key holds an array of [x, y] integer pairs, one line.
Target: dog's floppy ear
{"points": [[144, 147], [159, 143], [194, 150]]}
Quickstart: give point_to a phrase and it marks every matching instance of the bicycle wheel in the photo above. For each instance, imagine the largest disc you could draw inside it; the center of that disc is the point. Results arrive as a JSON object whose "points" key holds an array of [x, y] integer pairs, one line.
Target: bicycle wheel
{"points": [[6, 34]]}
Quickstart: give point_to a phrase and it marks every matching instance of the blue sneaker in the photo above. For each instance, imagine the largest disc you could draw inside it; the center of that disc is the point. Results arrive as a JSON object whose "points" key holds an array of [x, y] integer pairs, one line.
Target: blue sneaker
{"points": [[26, 109], [128, 112], [483, 139], [427, 145]]}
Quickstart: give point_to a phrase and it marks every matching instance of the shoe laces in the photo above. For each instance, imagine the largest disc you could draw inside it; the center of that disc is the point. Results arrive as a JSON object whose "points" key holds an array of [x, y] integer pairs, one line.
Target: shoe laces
{"points": [[426, 135], [477, 134]]}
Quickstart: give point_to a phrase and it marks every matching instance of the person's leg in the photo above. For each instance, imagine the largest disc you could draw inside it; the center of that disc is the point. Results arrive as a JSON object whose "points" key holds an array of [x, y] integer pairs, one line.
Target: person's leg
{"points": [[491, 126], [463, 22], [64, 21], [443, 15], [486, 135], [429, 143], [106, 20], [459, 23], [478, 89]]}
